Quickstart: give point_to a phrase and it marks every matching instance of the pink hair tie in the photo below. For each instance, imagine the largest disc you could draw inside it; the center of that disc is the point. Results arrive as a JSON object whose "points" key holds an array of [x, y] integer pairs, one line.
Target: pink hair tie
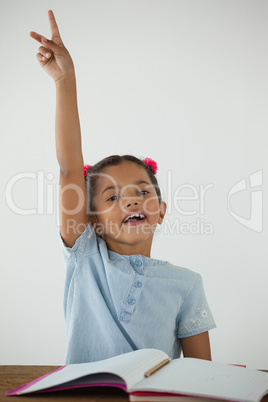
{"points": [[86, 167], [150, 162]]}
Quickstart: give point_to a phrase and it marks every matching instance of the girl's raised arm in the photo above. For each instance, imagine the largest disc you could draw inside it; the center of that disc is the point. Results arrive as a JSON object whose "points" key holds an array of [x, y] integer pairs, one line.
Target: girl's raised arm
{"points": [[56, 61]]}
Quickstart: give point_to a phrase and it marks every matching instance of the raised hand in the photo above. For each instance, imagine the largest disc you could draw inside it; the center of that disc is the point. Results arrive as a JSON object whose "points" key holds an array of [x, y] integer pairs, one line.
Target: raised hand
{"points": [[53, 56]]}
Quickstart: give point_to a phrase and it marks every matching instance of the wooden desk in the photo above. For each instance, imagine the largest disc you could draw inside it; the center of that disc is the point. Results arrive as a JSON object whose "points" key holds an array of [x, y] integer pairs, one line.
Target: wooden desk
{"points": [[13, 376]]}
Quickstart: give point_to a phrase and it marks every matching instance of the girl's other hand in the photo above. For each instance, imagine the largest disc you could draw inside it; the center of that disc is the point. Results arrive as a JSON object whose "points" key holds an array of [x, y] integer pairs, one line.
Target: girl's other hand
{"points": [[53, 56]]}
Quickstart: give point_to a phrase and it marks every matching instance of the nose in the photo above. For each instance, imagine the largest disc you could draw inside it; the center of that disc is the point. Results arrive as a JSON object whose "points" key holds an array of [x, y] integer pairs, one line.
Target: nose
{"points": [[130, 197], [134, 203], [131, 200]]}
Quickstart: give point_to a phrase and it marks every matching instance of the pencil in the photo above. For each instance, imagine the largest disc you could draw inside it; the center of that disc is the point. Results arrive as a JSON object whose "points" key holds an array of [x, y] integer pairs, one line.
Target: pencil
{"points": [[157, 367]]}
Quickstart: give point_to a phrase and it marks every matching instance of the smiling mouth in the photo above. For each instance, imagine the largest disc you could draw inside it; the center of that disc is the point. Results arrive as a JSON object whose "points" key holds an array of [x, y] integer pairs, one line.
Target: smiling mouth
{"points": [[134, 219]]}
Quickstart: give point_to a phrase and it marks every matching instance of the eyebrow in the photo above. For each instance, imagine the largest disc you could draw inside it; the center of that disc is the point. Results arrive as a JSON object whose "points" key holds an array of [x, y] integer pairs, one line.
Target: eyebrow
{"points": [[114, 187]]}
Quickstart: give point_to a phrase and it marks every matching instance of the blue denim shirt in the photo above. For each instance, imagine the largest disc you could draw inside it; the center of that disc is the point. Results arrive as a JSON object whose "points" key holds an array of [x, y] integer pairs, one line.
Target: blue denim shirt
{"points": [[113, 301]]}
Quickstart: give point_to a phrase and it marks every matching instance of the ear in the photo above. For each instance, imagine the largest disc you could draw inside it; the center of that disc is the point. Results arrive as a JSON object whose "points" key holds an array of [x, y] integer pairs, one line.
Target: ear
{"points": [[162, 211]]}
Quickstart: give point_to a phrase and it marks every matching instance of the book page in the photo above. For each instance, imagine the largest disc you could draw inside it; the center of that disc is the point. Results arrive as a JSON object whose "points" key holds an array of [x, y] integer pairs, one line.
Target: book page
{"points": [[175, 398], [130, 367], [205, 378]]}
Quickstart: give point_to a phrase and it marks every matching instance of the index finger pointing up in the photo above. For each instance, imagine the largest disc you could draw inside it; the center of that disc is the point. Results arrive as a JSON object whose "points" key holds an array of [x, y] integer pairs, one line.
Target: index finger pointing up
{"points": [[55, 35]]}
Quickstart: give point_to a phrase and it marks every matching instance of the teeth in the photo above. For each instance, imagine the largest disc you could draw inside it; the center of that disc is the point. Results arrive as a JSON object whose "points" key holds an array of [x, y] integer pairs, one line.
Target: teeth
{"points": [[134, 216]]}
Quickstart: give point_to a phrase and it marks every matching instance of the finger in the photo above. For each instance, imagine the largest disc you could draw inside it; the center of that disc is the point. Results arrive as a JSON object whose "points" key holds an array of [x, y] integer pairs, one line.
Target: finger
{"points": [[41, 39], [42, 59], [36, 36], [44, 52], [55, 34], [44, 41], [50, 45]]}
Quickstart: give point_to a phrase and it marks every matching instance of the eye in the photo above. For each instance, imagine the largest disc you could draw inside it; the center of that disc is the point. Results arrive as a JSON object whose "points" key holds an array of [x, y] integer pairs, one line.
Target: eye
{"points": [[143, 192], [113, 198]]}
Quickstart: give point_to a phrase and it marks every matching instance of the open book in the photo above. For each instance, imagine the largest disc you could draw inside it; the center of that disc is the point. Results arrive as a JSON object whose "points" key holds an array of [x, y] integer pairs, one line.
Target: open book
{"points": [[149, 375]]}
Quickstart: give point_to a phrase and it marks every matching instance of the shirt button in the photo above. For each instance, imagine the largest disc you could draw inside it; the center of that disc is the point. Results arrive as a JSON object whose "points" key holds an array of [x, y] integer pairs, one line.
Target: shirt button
{"points": [[131, 300], [138, 284], [138, 263]]}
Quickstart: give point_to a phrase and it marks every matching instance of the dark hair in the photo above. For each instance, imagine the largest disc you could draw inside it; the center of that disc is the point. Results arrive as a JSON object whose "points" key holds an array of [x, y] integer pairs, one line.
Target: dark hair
{"points": [[91, 176]]}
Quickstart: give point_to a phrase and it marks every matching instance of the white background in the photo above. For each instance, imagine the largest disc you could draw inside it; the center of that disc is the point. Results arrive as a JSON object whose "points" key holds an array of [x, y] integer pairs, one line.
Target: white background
{"points": [[183, 82]]}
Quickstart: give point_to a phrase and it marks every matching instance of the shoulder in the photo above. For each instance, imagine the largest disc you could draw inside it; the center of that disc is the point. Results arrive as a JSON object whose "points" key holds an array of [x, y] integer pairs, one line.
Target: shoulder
{"points": [[179, 283], [86, 244], [165, 269]]}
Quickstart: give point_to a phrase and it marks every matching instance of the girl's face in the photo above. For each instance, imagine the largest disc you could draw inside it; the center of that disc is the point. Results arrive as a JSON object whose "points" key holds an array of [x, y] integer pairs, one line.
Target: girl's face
{"points": [[127, 209]]}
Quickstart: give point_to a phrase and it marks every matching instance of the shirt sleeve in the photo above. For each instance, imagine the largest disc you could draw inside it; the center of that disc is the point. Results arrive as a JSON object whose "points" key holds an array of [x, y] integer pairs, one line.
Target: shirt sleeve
{"points": [[85, 245], [195, 316]]}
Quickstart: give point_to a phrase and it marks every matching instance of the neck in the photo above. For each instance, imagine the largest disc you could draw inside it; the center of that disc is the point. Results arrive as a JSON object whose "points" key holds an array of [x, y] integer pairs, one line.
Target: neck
{"points": [[129, 249]]}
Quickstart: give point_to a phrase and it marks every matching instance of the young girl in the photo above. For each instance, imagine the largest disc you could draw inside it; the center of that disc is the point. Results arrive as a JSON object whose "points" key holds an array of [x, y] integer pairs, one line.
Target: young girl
{"points": [[117, 298]]}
